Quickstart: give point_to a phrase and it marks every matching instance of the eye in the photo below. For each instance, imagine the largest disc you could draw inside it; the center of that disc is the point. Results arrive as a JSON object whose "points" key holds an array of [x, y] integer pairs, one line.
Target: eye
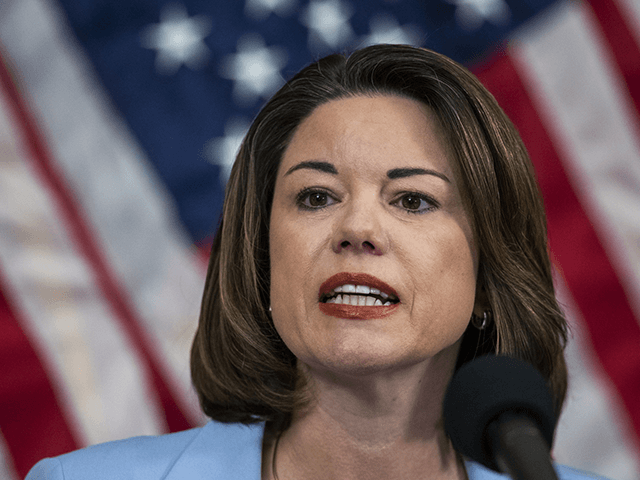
{"points": [[314, 199], [414, 202]]}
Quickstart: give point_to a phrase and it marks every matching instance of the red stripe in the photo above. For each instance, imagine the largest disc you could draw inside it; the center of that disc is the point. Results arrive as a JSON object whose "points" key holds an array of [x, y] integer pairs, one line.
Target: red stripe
{"points": [[203, 253], [87, 246], [622, 44], [31, 419], [574, 242]]}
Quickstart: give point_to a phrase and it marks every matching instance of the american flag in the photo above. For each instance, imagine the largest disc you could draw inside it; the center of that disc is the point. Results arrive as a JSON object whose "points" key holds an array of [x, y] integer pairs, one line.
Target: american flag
{"points": [[120, 119]]}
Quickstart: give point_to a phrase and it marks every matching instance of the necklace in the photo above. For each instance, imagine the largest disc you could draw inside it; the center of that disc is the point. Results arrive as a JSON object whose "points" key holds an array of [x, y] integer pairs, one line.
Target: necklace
{"points": [[274, 473], [273, 457]]}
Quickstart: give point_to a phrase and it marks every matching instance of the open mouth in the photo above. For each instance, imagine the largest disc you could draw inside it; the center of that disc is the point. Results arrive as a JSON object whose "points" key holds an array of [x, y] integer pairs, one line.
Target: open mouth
{"points": [[358, 295]]}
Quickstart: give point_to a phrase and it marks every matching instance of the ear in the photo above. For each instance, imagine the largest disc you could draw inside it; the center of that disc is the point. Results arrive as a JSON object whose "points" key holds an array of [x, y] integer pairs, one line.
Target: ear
{"points": [[481, 302]]}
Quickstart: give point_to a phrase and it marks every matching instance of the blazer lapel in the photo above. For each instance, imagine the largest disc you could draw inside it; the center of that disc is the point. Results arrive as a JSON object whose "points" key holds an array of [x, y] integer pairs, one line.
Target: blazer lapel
{"points": [[221, 451]]}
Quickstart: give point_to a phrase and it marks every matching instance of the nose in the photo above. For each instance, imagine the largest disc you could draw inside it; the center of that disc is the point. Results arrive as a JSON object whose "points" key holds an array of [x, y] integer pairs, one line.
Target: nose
{"points": [[360, 230]]}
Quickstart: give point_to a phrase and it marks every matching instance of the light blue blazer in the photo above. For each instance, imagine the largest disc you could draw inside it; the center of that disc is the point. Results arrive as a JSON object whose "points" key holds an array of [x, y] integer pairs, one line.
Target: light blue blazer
{"points": [[214, 452]]}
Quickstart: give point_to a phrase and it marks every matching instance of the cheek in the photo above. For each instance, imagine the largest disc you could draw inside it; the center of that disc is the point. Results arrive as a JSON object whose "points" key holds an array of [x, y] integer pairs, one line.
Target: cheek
{"points": [[297, 250], [292, 258], [278, 259], [282, 294], [282, 254], [448, 281]]}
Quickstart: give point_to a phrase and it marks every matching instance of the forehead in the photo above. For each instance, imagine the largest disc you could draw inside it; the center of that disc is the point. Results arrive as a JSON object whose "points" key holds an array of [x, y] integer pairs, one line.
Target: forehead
{"points": [[367, 130]]}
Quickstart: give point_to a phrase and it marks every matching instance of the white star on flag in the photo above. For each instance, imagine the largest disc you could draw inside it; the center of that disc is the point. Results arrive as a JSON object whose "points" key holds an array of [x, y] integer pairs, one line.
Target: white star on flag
{"points": [[328, 23], [259, 10], [222, 151], [178, 39], [255, 69], [385, 29], [471, 14]]}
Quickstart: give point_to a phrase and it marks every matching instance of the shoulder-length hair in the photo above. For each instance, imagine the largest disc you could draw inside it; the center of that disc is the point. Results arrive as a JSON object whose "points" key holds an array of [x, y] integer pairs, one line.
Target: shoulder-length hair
{"points": [[240, 367]]}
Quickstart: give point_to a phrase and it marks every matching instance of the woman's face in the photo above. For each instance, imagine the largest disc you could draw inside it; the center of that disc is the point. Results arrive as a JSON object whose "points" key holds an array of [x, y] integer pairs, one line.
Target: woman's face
{"points": [[373, 261]]}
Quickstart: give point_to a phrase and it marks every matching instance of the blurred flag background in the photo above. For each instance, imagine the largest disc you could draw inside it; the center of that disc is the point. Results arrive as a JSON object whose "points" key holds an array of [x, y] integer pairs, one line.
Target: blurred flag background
{"points": [[120, 119]]}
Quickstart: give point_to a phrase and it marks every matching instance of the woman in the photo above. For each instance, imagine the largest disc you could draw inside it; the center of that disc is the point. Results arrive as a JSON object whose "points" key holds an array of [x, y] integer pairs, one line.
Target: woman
{"points": [[382, 226]]}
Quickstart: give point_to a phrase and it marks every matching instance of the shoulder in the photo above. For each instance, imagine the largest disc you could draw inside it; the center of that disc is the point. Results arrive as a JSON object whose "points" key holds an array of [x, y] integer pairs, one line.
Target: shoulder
{"points": [[478, 472], [568, 473], [151, 454], [212, 450]]}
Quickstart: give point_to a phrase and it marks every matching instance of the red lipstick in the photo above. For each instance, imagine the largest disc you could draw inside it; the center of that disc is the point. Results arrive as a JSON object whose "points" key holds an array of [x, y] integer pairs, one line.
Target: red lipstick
{"points": [[356, 311]]}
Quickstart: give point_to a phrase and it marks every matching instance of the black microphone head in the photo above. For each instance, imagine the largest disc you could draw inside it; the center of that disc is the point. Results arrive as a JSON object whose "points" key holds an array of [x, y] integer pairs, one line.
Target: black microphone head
{"points": [[483, 389]]}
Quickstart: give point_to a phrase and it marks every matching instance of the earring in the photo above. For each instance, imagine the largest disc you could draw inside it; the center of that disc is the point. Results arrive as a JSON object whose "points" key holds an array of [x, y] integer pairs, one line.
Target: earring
{"points": [[269, 308], [482, 323]]}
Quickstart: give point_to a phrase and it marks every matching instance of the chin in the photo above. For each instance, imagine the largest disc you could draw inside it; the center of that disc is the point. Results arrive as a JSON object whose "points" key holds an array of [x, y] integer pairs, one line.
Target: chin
{"points": [[362, 360]]}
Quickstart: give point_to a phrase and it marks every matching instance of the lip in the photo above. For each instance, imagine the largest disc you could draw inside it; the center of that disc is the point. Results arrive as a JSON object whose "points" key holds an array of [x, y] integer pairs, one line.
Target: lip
{"points": [[356, 312]]}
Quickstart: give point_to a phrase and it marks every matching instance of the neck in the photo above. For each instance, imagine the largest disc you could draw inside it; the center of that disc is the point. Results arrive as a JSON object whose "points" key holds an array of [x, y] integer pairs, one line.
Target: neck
{"points": [[385, 425]]}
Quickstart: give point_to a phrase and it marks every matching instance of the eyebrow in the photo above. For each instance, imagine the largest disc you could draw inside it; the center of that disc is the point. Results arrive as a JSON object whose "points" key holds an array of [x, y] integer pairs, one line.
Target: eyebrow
{"points": [[409, 172], [392, 174], [325, 167]]}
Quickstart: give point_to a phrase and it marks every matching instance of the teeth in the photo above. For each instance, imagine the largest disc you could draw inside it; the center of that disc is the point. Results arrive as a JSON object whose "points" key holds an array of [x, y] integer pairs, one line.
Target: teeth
{"points": [[361, 289], [359, 295], [357, 300]]}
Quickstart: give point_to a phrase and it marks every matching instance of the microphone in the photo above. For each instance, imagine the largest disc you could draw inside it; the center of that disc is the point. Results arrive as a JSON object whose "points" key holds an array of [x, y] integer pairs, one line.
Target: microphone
{"points": [[499, 412]]}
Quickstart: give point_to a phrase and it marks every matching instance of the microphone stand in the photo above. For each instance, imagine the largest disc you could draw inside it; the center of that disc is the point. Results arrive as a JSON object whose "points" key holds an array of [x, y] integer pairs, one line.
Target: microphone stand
{"points": [[519, 449]]}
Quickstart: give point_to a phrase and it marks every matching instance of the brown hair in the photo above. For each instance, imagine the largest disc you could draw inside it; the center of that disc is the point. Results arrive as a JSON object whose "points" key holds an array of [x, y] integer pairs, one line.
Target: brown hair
{"points": [[240, 367]]}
